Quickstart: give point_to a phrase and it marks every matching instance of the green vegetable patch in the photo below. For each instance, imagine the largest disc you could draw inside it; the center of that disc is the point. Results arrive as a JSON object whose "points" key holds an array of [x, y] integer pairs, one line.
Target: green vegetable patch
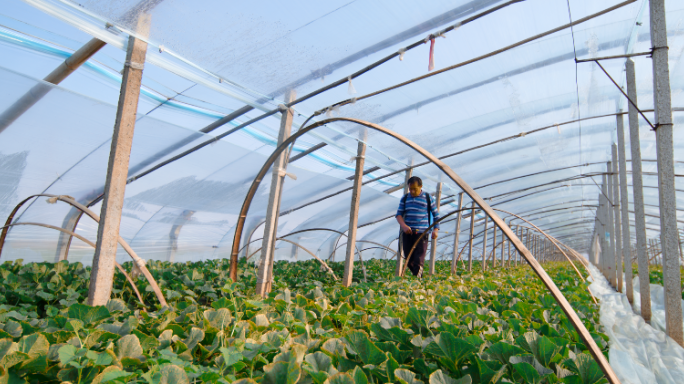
{"points": [[494, 327]]}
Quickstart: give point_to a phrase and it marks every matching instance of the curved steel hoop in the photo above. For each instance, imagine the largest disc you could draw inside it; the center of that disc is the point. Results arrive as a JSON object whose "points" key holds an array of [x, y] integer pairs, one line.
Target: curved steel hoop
{"points": [[538, 269], [83, 239], [69, 200]]}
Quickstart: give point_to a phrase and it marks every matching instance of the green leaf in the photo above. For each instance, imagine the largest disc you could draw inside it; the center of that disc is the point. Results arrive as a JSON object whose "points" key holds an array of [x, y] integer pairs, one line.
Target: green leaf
{"points": [[173, 374], [335, 347], [528, 372], [340, 378], [12, 378], [529, 359], [230, 356], [218, 319], [484, 371], [359, 377], [438, 377], [404, 376], [117, 305], [88, 314], [13, 328], [367, 351], [391, 366], [419, 317], [502, 351], [320, 362], [446, 345], [67, 353], [546, 349], [586, 367], [195, 337], [129, 346], [282, 372]]}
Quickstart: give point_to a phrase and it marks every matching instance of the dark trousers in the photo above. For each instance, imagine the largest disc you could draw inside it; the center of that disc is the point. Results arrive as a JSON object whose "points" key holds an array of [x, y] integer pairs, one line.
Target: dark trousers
{"points": [[415, 263]]}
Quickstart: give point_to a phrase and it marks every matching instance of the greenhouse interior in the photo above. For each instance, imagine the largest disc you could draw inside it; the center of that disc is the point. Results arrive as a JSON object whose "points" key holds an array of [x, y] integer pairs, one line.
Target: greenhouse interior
{"points": [[354, 191]]}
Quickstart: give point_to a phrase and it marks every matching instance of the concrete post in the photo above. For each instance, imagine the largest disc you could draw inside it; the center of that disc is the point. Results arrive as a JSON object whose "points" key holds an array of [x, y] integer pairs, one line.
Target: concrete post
{"points": [[669, 238], [264, 274], [508, 243], [457, 233], [616, 215], [433, 246], [102, 273], [484, 244], [354, 215], [518, 255], [612, 276], [494, 247], [470, 242], [175, 232], [624, 204], [400, 252]]}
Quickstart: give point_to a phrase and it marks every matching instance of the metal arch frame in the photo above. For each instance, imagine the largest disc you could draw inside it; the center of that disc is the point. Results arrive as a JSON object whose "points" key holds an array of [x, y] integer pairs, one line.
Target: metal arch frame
{"points": [[67, 199], [323, 263], [538, 269], [83, 239]]}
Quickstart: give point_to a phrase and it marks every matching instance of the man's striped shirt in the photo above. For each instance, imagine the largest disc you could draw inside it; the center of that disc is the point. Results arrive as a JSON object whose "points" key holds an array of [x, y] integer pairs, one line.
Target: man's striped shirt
{"points": [[415, 211]]}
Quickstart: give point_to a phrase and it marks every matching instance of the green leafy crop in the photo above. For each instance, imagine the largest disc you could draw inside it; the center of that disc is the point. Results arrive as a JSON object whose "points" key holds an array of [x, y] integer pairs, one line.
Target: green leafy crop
{"points": [[480, 327]]}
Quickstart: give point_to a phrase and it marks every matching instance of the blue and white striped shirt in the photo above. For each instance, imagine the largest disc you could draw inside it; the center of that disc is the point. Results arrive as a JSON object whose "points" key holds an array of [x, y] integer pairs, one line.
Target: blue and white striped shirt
{"points": [[415, 211]]}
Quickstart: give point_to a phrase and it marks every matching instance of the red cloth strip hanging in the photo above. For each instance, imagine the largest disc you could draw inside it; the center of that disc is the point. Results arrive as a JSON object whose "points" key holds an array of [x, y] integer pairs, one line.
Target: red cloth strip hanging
{"points": [[431, 65]]}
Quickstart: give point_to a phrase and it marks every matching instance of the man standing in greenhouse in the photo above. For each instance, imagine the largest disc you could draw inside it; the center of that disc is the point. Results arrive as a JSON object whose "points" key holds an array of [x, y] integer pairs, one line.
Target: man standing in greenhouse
{"points": [[415, 215]]}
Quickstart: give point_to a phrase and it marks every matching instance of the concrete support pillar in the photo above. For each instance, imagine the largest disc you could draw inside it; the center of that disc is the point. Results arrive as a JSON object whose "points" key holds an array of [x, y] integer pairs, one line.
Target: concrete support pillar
{"points": [[618, 224], [472, 232], [624, 207], [265, 274], [667, 198], [608, 183], [175, 232], [484, 244], [457, 233], [518, 255], [494, 247], [433, 245], [354, 215], [400, 253], [102, 273], [508, 251]]}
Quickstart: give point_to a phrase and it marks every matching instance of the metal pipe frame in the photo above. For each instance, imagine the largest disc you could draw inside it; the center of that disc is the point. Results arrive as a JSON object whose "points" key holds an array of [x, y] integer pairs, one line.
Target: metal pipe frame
{"points": [[140, 263], [83, 239], [539, 270]]}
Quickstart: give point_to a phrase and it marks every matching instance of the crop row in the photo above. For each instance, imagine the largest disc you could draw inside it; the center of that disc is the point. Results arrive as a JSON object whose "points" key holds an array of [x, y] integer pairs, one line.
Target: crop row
{"points": [[491, 327]]}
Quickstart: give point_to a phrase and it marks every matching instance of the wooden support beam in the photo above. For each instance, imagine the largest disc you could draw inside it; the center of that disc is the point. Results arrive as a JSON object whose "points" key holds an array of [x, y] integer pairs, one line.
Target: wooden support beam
{"points": [[66, 68], [664, 130], [102, 273], [457, 234], [433, 246], [354, 215], [610, 220], [264, 274]]}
